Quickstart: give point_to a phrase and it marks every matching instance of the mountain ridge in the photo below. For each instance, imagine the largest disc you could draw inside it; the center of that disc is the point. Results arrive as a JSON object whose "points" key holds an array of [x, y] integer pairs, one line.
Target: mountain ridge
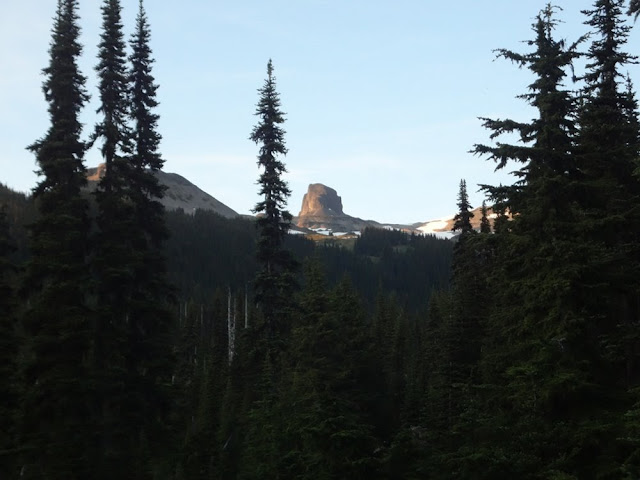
{"points": [[321, 209], [180, 193]]}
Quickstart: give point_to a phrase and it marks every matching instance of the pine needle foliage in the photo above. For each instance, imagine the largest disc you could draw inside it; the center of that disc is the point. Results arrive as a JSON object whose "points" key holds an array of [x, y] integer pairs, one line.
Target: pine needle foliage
{"points": [[462, 220], [275, 280], [55, 431]]}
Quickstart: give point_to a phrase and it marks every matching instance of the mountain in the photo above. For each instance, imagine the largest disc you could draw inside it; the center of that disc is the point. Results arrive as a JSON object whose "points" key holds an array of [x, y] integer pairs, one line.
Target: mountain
{"points": [[322, 210], [180, 193]]}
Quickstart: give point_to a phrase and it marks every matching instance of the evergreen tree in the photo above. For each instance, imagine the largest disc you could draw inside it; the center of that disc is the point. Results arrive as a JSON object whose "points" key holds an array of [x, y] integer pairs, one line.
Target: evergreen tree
{"points": [[275, 280], [132, 358], [201, 378], [114, 97], [566, 293], [329, 397], [546, 142], [114, 254], [8, 352], [55, 435], [609, 195], [485, 224], [527, 376], [146, 158], [151, 321], [115, 211], [462, 220]]}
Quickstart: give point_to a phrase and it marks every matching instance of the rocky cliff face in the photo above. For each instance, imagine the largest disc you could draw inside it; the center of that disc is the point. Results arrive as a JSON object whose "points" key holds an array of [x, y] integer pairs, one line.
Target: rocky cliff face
{"points": [[180, 193], [322, 208], [321, 201]]}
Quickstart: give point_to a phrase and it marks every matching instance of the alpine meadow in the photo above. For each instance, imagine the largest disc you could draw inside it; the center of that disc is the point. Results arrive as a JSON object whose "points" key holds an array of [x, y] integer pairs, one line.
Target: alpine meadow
{"points": [[144, 341]]}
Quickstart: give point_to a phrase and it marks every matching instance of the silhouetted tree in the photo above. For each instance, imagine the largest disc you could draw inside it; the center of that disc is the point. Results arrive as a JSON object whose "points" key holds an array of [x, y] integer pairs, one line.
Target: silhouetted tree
{"points": [[55, 429], [485, 224], [275, 280], [132, 357], [9, 389], [462, 220]]}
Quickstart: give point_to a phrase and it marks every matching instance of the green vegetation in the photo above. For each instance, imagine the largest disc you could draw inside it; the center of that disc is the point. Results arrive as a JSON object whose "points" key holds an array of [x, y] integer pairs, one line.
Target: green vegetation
{"points": [[53, 425], [145, 344]]}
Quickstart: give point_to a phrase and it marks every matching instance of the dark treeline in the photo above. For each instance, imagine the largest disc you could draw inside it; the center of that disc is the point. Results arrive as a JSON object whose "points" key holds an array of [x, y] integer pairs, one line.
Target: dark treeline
{"points": [[138, 343], [206, 252]]}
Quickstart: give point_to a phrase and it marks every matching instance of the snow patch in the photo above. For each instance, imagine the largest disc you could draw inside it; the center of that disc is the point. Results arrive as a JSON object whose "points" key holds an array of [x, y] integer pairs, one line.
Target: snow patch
{"points": [[323, 231], [434, 226]]}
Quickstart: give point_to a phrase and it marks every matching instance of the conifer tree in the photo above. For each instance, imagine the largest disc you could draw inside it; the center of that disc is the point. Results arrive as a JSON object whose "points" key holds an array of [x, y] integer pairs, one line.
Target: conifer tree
{"points": [[112, 260], [114, 254], [608, 141], [132, 339], [485, 224], [151, 321], [566, 290], [146, 158], [8, 352], [327, 404], [462, 220], [115, 213], [275, 281], [609, 227], [546, 142], [114, 97], [54, 433], [534, 261]]}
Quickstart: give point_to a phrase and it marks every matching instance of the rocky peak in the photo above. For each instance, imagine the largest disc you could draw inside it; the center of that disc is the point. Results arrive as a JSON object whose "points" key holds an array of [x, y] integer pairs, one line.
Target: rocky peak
{"points": [[321, 201], [322, 208], [95, 174]]}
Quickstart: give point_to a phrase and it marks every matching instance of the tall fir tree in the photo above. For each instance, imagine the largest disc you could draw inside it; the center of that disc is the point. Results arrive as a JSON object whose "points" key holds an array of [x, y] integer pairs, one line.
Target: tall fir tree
{"points": [[485, 224], [115, 217], [274, 288], [608, 141], [115, 253], [132, 358], [546, 142], [609, 195], [533, 366], [55, 430], [146, 158], [275, 280], [114, 129], [151, 320], [462, 220]]}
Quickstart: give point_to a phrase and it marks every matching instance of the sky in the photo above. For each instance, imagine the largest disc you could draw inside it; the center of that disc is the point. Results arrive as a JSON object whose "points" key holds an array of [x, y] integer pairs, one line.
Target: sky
{"points": [[382, 97]]}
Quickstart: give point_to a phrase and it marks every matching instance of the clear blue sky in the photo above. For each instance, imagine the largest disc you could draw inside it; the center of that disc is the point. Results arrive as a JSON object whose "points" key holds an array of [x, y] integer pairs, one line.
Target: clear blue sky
{"points": [[382, 97]]}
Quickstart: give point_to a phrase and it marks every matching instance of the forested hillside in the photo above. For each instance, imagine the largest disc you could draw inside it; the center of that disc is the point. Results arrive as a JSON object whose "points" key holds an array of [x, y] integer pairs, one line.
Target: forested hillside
{"points": [[206, 252], [388, 276], [145, 344]]}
